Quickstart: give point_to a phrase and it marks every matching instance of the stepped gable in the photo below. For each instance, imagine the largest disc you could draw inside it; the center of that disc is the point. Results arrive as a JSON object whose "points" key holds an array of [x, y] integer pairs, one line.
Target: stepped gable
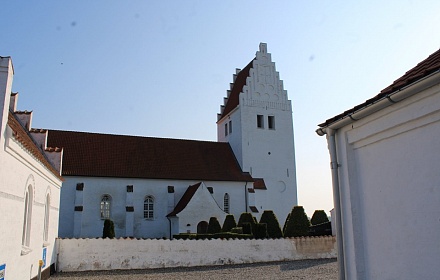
{"points": [[259, 82], [420, 71], [107, 155], [240, 81]]}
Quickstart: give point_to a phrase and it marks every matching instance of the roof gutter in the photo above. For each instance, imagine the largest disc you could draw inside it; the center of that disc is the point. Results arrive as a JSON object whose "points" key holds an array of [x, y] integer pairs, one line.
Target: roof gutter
{"points": [[394, 97]]}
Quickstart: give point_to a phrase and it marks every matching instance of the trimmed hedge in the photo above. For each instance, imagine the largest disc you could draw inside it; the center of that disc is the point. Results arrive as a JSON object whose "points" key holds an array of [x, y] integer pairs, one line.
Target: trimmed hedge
{"points": [[298, 223], [285, 223], [195, 236], [247, 218], [247, 228], [273, 227], [214, 225], [109, 229], [319, 217], [238, 230], [261, 231], [229, 223]]}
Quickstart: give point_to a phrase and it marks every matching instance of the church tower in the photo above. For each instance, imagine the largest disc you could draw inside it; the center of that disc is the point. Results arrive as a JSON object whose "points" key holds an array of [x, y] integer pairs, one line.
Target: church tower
{"points": [[256, 120]]}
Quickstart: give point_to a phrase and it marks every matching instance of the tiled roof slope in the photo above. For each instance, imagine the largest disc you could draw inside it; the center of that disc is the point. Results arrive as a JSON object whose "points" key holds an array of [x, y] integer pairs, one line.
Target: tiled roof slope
{"points": [[186, 198], [106, 155], [237, 88], [20, 134], [421, 70]]}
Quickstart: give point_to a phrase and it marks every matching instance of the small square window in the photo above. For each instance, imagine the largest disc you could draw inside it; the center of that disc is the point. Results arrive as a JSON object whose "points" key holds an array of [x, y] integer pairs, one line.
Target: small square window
{"points": [[260, 121], [271, 122]]}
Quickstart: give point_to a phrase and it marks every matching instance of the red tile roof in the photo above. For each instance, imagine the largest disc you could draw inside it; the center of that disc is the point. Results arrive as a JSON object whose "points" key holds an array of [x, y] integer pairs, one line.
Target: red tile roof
{"points": [[421, 70], [22, 136], [259, 184], [106, 155], [237, 88], [186, 198]]}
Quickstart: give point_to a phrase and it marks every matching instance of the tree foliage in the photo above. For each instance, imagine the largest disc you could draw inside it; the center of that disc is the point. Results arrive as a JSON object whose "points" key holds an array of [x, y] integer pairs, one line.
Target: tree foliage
{"points": [[319, 217], [214, 225], [298, 223], [109, 229], [229, 223], [273, 227]]}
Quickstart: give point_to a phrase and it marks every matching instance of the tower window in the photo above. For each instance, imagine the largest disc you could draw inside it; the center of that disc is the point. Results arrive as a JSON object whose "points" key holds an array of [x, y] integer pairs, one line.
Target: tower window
{"points": [[260, 121], [230, 127], [226, 129], [271, 122]]}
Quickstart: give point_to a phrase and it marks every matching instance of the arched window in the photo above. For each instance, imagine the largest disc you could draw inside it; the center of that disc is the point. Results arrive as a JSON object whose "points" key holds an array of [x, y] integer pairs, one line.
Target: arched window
{"points": [[105, 206], [149, 207], [28, 201], [46, 218], [226, 203]]}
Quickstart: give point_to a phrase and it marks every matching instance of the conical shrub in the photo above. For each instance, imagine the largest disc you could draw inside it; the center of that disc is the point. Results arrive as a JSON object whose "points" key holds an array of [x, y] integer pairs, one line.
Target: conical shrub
{"points": [[273, 227], [298, 223], [229, 223], [214, 225]]}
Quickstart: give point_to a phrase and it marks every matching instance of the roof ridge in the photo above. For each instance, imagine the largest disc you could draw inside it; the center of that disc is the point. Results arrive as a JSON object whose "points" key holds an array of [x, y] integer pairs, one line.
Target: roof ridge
{"points": [[127, 135]]}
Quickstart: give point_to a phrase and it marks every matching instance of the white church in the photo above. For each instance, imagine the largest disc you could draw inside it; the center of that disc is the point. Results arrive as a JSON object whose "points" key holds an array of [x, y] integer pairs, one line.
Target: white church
{"points": [[65, 183], [156, 187]]}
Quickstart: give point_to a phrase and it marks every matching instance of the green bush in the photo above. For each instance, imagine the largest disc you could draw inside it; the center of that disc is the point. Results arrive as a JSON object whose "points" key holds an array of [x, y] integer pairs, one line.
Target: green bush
{"points": [[229, 223], [285, 223], [273, 227], [298, 223], [238, 230], [201, 236], [109, 229], [185, 236], [319, 217], [233, 235], [247, 218], [214, 225], [247, 228], [261, 231]]}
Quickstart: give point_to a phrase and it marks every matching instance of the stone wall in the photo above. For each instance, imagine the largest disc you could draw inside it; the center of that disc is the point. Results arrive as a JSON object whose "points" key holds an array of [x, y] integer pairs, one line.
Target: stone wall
{"points": [[111, 254]]}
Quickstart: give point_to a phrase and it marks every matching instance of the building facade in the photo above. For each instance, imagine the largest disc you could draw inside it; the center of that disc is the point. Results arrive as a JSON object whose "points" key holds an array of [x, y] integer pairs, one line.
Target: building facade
{"points": [[30, 184], [155, 187], [385, 158]]}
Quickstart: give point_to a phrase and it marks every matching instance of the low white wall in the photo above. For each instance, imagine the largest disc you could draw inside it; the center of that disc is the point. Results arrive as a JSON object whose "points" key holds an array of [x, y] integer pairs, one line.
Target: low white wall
{"points": [[110, 254]]}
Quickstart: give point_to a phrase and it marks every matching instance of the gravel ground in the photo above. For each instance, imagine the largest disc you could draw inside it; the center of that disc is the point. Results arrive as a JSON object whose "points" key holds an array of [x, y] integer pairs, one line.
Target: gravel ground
{"points": [[322, 269]]}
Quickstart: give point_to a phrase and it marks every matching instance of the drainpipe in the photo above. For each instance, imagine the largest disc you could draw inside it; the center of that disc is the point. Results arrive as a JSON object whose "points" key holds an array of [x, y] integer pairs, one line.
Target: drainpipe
{"points": [[171, 235], [245, 198], [334, 165]]}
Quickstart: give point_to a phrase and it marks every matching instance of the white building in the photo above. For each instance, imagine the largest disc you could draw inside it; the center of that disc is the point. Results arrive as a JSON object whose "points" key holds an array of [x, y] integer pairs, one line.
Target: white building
{"points": [[153, 187], [30, 185], [385, 158]]}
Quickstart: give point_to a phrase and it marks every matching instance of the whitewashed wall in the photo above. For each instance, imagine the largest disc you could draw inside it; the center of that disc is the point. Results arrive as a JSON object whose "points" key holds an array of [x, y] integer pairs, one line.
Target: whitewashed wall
{"points": [[18, 170], [91, 225], [263, 152], [390, 190], [110, 254]]}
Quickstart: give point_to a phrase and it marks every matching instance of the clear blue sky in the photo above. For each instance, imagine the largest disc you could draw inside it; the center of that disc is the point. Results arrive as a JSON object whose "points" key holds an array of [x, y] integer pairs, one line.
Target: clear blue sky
{"points": [[162, 68]]}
